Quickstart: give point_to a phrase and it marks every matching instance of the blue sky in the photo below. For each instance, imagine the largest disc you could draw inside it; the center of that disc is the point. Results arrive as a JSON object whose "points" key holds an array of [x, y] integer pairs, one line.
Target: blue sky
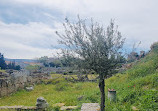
{"points": [[27, 27]]}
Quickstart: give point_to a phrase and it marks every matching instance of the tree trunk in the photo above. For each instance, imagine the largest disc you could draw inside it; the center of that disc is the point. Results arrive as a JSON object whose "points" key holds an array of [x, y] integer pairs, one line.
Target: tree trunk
{"points": [[102, 90]]}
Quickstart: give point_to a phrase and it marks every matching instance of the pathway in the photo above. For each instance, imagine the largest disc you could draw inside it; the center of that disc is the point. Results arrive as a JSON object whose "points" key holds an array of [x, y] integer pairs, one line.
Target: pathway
{"points": [[90, 107]]}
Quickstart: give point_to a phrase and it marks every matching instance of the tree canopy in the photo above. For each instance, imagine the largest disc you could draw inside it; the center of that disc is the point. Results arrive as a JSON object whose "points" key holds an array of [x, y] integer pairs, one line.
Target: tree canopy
{"points": [[3, 65], [11, 65], [98, 49]]}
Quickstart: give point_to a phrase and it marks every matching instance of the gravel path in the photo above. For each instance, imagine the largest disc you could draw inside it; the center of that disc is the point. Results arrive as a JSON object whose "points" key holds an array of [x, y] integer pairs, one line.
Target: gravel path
{"points": [[90, 107]]}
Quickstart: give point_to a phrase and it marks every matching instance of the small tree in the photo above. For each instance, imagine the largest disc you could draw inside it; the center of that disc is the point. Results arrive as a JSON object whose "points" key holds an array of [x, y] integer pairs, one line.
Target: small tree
{"points": [[3, 64], [44, 61], [98, 49]]}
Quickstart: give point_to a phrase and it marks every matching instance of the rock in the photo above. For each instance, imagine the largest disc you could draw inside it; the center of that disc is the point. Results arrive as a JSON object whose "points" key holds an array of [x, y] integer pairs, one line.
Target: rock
{"points": [[28, 108], [90, 107], [41, 103], [29, 88], [9, 71], [134, 108], [18, 108], [63, 108], [59, 105], [10, 107]]}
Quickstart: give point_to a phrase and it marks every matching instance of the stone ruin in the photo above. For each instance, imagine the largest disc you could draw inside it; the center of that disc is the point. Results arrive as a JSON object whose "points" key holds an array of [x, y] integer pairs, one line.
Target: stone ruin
{"points": [[41, 103], [29, 88], [11, 81]]}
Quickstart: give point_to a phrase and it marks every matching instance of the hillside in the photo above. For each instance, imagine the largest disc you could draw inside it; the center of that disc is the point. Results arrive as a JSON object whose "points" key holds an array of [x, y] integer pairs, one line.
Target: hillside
{"points": [[137, 88]]}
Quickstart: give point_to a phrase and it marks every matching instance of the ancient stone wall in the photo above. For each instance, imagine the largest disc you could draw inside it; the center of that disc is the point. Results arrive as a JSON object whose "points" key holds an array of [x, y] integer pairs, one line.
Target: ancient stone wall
{"points": [[10, 83]]}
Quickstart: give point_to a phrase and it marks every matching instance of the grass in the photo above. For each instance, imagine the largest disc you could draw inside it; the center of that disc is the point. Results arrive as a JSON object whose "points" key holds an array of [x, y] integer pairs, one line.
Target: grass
{"points": [[3, 71], [137, 88], [56, 91], [140, 92]]}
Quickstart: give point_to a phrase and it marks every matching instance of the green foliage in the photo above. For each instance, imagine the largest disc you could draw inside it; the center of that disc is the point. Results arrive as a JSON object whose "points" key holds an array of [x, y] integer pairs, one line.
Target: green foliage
{"points": [[62, 86], [138, 87], [57, 108], [91, 46], [43, 59], [67, 93], [53, 72], [145, 66], [3, 65], [3, 71], [12, 65], [49, 62], [140, 92], [135, 88]]}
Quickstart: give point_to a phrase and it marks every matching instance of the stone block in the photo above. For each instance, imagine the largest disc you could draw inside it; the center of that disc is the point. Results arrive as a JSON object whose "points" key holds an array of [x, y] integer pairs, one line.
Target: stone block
{"points": [[29, 88], [41, 103], [90, 107], [63, 108]]}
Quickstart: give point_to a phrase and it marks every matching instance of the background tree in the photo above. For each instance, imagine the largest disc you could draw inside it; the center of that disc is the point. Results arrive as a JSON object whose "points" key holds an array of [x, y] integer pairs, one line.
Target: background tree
{"points": [[44, 61], [17, 67], [98, 49], [12, 65], [51, 64], [3, 65]]}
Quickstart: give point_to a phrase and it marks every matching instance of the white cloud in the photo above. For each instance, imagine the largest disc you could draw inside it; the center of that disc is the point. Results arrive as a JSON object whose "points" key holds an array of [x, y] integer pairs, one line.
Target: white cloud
{"points": [[137, 20], [17, 50], [28, 40], [93, 5]]}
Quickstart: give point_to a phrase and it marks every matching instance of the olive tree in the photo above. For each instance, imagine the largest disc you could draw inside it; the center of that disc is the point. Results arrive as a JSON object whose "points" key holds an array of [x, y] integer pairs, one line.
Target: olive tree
{"points": [[98, 49]]}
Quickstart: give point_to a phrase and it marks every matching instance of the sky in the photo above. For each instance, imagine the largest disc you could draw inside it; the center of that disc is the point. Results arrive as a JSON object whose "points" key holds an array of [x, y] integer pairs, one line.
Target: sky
{"points": [[27, 27]]}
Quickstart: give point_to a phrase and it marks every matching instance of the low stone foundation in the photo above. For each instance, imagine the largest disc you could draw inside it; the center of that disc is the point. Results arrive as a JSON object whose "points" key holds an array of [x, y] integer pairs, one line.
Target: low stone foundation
{"points": [[90, 107], [19, 108], [10, 83]]}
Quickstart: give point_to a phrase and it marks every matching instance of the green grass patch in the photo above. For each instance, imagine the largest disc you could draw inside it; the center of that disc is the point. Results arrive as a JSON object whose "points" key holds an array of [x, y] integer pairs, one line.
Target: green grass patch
{"points": [[59, 92], [2, 71], [136, 88]]}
